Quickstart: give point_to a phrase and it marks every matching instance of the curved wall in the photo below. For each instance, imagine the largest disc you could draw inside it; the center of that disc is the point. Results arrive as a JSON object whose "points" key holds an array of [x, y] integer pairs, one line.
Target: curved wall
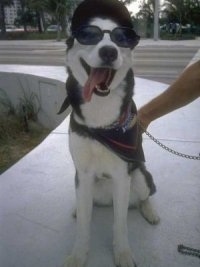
{"points": [[46, 84]]}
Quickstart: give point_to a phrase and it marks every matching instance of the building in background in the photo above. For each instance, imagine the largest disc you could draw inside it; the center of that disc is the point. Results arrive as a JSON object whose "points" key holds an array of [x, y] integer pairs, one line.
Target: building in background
{"points": [[11, 12]]}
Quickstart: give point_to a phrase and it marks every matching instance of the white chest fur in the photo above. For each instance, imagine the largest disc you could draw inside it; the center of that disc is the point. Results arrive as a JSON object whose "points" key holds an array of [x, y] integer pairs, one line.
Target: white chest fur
{"points": [[90, 154], [103, 111]]}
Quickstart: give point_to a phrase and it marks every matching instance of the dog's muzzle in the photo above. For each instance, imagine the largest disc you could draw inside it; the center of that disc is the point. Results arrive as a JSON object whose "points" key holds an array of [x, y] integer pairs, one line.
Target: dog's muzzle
{"points": [[100, 78]]}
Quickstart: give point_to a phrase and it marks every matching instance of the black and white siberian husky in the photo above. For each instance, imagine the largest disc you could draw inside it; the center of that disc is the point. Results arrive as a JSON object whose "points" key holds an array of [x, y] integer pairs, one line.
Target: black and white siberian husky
{"points": [[104, 139]]}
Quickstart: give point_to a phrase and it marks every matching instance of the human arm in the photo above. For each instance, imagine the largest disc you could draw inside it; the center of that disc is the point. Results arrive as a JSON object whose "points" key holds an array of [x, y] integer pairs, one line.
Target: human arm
{"points": [[183, 91]]}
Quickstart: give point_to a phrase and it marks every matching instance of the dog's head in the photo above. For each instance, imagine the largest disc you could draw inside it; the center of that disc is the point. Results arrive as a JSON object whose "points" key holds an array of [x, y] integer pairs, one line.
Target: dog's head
{"points": [[99, 52]]}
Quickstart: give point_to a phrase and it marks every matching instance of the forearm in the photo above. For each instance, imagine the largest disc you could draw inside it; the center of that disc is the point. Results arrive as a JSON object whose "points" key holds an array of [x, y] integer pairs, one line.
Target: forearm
{"points": [[183, 91]]}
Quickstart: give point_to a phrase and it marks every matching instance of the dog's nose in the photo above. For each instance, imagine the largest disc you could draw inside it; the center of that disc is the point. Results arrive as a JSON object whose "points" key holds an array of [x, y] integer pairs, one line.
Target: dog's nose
{"points": [[108, 54]]}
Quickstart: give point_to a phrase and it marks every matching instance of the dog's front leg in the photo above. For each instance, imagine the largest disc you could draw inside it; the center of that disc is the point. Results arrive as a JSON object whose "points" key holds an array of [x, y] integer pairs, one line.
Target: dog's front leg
{"points": [[122, 251], [84, 194]]}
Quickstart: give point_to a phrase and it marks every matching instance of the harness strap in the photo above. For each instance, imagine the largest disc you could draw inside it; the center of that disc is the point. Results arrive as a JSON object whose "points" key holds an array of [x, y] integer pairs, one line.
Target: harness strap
{"points": [[122, 137]]}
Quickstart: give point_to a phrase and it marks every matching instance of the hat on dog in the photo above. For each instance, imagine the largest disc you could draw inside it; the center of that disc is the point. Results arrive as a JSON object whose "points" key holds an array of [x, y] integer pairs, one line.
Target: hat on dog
{"points": [[112, 9]]}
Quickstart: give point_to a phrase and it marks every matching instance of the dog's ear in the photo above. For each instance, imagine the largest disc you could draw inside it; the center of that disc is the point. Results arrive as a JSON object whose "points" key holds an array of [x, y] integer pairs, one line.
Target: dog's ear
{"points": [[70, 42]]}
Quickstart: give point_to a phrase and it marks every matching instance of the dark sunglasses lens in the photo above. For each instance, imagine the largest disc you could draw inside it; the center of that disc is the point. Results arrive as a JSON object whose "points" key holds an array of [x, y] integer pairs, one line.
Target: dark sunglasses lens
{"points": [[88, 35], [125, 37]]}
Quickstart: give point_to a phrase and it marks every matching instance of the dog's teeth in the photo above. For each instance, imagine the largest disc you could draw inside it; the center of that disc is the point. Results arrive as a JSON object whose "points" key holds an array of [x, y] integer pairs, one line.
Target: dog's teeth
{"points": [[98, 87]]}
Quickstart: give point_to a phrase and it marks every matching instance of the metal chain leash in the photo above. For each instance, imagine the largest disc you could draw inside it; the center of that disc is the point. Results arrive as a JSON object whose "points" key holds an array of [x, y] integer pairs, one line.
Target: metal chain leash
{"points": [[167, 148], [189, 251]]}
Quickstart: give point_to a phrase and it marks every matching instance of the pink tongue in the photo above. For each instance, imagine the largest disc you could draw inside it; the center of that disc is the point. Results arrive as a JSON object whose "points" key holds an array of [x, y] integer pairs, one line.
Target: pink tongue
{"points": [[96, 77]]}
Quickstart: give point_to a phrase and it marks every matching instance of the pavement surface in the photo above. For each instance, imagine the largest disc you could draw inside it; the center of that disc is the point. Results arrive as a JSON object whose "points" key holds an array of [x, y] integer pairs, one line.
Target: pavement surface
{"points": [[37, 198], [158, 60]]}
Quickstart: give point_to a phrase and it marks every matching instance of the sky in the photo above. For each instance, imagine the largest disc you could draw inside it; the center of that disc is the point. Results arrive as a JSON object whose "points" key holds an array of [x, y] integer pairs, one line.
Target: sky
{"points": [[134, 7]]}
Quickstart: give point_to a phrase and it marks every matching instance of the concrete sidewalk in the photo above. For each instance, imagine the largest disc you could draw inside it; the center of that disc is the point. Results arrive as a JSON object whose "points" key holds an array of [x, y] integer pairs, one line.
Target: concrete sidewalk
{"points": [[195, 42], [55, 44], [37, 199]]}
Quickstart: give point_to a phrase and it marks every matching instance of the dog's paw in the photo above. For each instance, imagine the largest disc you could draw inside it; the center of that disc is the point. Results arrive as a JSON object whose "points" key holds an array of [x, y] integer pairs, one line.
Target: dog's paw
{"points": [[149, 213], [75, 261], [78, 257], [124, 259]]}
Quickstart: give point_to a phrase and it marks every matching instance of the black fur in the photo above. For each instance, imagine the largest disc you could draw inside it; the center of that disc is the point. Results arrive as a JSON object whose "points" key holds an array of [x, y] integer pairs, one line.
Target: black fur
{"points": [[132, 166], [112, 9], [148, 178], [74, 94], [130, 82]]}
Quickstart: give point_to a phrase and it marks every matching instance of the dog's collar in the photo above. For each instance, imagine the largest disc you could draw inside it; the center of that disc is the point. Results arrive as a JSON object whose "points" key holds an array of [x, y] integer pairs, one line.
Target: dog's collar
{"points": [[126, 120]]}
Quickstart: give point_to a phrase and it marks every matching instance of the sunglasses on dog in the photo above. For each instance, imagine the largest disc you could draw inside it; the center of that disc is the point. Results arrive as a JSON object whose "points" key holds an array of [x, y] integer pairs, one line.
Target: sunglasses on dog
{"points": [[121, 36]]}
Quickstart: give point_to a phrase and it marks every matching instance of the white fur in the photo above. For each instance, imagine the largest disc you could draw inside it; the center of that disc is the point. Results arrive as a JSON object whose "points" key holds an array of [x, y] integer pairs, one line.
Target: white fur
{"points": [[90, 54], [103, 176], [102, 111], [93, 160]]}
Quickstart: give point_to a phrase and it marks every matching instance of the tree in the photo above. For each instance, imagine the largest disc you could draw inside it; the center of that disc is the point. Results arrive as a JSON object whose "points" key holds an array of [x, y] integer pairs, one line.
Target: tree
{"points": [[174, 10], [24, 15], [193, 14], [34, 10], [3, 4], [182, 12], [58, 10], [146, 16], [146, 12], [30, 13], [61, 11], [38, 7]]}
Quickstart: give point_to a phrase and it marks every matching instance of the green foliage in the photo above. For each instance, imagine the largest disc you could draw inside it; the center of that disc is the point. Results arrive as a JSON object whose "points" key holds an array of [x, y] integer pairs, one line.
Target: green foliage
{"points": [[29, 106], [6, 105], [15, 142], [27, 109], [25, 17], [183, 12], [170, 36], [32, 13], [146, 11], [10, 126]]}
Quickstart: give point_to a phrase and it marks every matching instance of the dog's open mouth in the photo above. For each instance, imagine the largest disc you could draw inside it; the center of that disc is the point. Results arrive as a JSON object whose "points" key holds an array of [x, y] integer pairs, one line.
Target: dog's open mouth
{"points": [[99, 80]]}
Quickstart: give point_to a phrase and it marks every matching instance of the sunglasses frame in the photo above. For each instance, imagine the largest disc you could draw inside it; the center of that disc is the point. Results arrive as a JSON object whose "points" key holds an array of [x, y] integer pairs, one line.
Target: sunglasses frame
{"points": [[111, 33]]}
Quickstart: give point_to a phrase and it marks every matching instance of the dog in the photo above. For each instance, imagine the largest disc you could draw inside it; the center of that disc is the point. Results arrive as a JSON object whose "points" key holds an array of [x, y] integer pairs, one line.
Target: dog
{"points": [[104, 137]]}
